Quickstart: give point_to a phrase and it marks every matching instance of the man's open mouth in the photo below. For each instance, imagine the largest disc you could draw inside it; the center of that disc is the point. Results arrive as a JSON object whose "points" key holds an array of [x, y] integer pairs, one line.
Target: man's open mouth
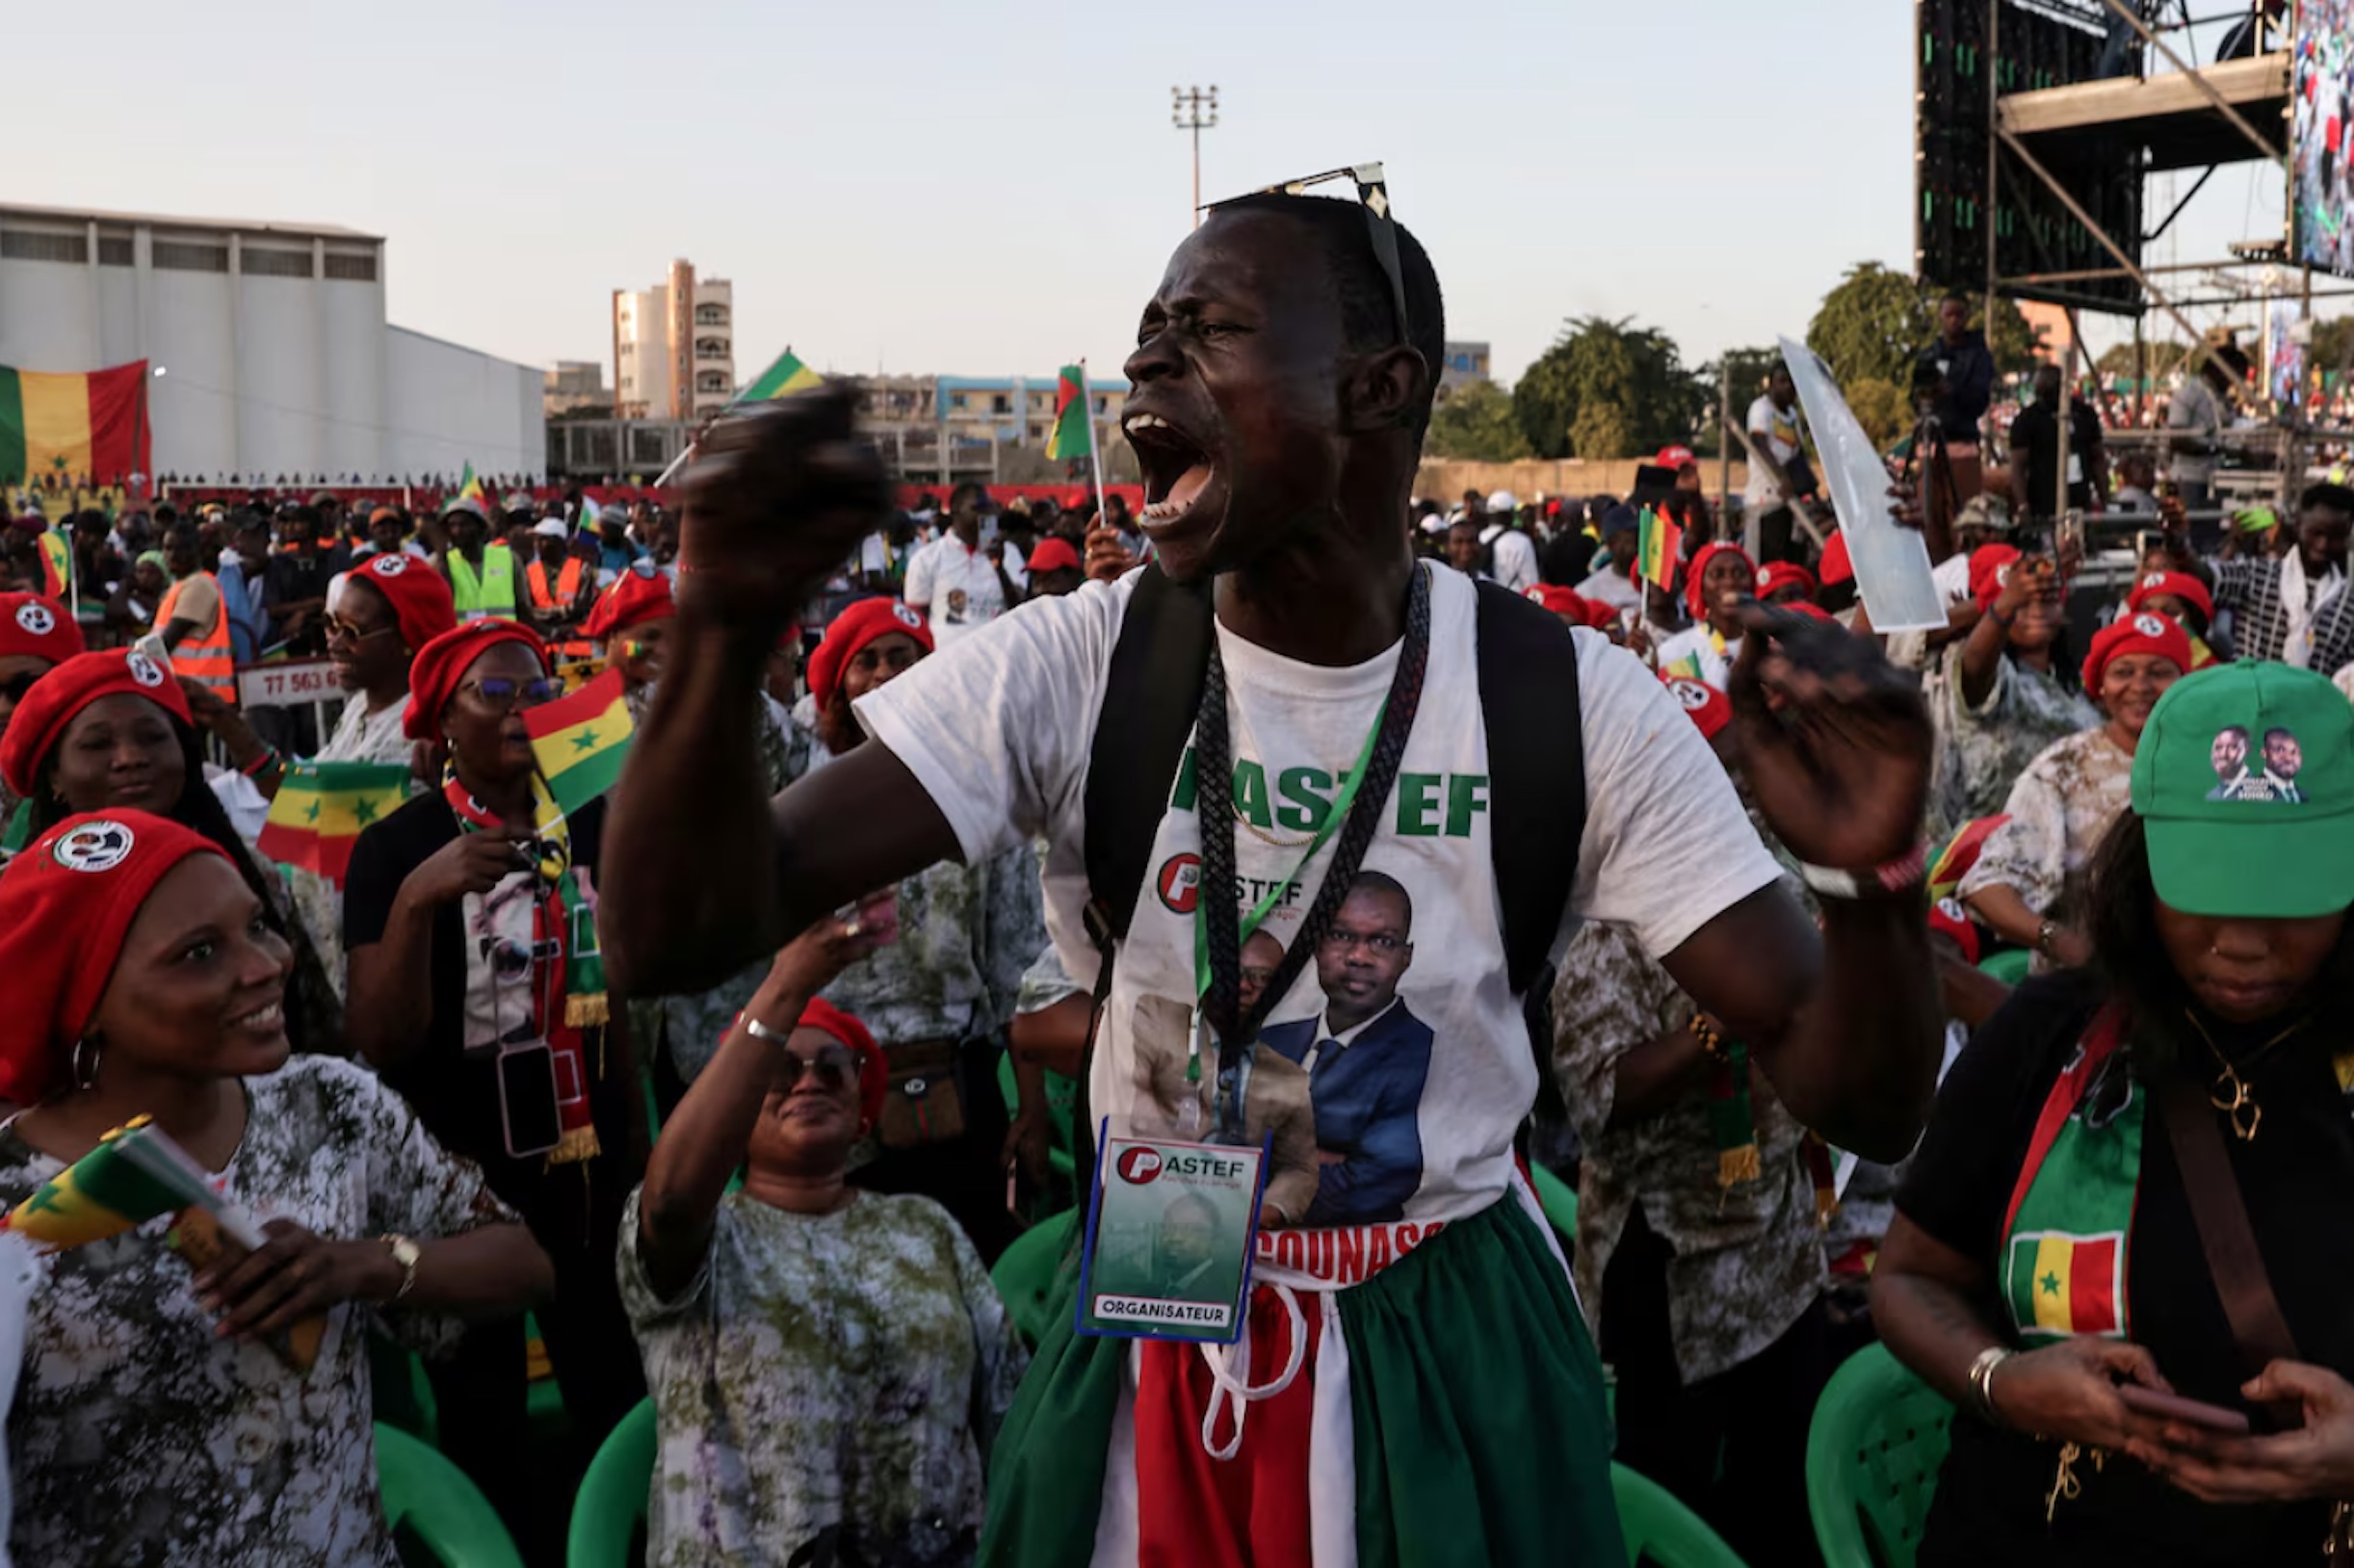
{"points": [[1175, 467]]}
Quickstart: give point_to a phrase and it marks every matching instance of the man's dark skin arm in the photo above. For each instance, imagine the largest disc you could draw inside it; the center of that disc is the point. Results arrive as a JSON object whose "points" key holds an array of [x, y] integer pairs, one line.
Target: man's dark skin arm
{"points": [[1846, 1023], [676, 915]]}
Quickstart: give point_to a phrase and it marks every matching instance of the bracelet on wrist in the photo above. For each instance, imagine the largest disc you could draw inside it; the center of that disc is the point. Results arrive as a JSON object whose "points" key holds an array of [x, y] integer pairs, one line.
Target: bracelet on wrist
{"points": [[2045, 931], [1900, 877], [262, 763], [1982, 1380]]}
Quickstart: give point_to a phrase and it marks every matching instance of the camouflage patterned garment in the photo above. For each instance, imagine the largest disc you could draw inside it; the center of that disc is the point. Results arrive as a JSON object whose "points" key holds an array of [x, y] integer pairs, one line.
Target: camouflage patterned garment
{"points": [[825, 1388], [138, 1437], [2058, 809], [1748, 1257], [1982, 751], [966, 935]]}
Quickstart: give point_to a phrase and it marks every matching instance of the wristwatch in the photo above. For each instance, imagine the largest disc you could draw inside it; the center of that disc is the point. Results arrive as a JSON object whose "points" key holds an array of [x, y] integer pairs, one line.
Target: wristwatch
{"points": [[405, 1253]]}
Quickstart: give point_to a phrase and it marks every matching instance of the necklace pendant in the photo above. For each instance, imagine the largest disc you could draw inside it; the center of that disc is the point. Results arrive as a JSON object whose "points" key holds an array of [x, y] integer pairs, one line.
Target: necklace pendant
{"points": [[2245, 1128]]}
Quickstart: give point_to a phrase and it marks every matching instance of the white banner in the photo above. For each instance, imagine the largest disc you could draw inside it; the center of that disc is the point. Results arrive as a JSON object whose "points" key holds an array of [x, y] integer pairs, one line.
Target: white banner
{"points": [[292, 684]]}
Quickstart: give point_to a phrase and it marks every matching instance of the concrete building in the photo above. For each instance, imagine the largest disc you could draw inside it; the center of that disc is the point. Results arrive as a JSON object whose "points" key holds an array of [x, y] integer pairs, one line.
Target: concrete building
{"points": [[1466, 362], [575, 385], [674, 346], [269, 346]]}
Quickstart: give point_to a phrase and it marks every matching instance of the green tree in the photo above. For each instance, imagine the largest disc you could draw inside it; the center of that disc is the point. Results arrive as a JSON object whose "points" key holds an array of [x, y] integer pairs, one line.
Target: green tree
{"points": [[1881, 408], [1600, 432], [1875, 321], [1749, 368], [1477, 423], [1638, 373]]}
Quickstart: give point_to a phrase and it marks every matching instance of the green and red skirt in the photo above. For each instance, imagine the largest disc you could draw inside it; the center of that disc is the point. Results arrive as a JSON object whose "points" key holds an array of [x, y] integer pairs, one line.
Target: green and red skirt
{"points": [[1446, 1412]]}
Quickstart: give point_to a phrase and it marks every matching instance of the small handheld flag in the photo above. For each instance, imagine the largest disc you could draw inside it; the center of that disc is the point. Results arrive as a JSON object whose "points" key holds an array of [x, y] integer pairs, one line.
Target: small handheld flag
{"points": [[1659, 546], [56, 565], [470, 487], [320, 808], [1960, 854], [581, 741], [136, 1173], [786, 376], [1071, 435]]}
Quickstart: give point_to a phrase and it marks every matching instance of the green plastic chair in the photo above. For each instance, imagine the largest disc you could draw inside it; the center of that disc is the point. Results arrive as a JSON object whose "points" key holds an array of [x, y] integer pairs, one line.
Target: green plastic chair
{"points": [[1556, 1197], [1662, 1532], [613, 1493], [2010, 967], [1872, 1453], [438, 1505], [1024, 1273]]}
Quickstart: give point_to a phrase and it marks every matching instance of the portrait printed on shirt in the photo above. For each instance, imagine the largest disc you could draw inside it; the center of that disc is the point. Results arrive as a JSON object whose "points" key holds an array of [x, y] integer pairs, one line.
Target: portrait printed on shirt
{"points": [[2270, 775]]}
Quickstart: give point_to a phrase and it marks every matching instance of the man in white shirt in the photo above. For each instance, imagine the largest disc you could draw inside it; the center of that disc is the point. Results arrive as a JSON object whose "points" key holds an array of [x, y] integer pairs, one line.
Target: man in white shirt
{"points": [[1511, 553], [952, 580], [1284, 378], [1777, 433]]}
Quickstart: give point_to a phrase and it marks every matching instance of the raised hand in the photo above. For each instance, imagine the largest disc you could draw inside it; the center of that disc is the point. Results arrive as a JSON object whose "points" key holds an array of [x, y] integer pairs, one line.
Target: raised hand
{"points": [[777, 496], [1108, 558], [1835, 741]]}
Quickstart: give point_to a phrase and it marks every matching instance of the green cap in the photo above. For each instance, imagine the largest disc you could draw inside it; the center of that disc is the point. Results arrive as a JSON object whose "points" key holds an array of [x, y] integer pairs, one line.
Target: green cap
{"points": [[2244, 778]]}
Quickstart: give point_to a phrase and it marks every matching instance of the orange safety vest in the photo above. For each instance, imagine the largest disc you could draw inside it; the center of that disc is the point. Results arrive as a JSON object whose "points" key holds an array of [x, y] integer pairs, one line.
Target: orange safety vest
{"points": [[204, 657], [567, 585]]}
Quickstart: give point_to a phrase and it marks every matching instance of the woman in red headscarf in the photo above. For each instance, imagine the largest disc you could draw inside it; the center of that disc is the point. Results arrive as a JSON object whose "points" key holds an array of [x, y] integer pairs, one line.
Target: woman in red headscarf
{"points": [[1716, 580], [774, 1446], [167, 1414], [476, 989], [2028, 883]]}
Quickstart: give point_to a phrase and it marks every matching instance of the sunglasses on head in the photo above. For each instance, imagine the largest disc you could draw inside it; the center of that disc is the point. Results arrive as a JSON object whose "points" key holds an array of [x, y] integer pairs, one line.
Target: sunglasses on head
{"points": [[834, 1068], [505, 692], [1381, 229]]}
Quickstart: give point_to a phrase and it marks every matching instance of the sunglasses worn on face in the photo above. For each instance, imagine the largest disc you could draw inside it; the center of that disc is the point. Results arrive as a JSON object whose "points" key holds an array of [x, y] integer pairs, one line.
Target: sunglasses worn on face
{"points": [[833, 1067], [337, 626], [1381, 229], [502, 692]]}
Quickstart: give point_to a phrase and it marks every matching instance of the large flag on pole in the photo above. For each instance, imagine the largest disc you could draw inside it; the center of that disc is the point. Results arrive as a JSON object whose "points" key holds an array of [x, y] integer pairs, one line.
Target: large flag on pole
{"points": [[782, 379], [1071, 437], [93, 422]]}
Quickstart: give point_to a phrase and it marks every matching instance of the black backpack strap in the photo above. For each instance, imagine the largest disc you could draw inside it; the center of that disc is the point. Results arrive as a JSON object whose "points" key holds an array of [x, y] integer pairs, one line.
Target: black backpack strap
{"points": [[1529, 699]]}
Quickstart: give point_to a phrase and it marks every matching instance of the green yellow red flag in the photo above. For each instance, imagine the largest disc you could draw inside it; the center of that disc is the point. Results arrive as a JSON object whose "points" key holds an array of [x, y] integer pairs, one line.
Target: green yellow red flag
{"points": [[104, 1193], [787, 376], [1659, 546], [581, 741], [56, 565], [321, 809], [1069, 438], [90, 425]]}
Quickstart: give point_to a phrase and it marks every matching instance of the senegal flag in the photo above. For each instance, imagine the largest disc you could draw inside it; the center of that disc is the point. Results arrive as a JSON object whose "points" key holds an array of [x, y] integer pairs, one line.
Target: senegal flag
{"points": [[56, 565], [1960, 854], [1659, 544], [320, 808], [784, 377], [2063, 1284], [581, 741], [94, 423], [470, 488], [1070, 436], [103, 1193]]}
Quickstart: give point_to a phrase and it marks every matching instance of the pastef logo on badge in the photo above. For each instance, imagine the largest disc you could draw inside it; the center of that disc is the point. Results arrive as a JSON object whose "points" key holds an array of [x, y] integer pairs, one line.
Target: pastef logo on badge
{"points": [[389, 565], [35, 620], [99, 846], [1180, 883], [143, 668], [908, 618], [2149, 625], [1139, 1167]]}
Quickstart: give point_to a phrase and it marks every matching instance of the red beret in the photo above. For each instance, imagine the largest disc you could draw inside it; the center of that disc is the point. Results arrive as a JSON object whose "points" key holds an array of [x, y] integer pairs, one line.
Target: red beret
{"points": [[441, 664], [1708, 707], [874, 1072], [1836, 567], [45, 711], [38, 627], [2178, 584], [2139, 631], [1053, 555], [1777, 575], [1990, 567], [64, 907], [1561, 601], [1699, 568], [853, 629], [419, 596], [640, 595]]}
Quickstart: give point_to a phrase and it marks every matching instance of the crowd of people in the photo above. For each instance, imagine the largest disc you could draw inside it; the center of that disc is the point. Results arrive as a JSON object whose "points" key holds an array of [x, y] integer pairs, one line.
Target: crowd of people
{"points": [[705, 1073]]}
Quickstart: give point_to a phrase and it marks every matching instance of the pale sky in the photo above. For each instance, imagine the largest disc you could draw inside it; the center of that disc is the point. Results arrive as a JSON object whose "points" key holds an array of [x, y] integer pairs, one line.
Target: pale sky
{"points": [[994, 188]]}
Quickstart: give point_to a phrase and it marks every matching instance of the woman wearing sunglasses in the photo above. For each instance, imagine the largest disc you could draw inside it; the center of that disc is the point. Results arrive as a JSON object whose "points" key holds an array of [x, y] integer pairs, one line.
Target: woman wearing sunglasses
{"points": [[477, 991], [828, 1365], [389, 607], [113, 731]]}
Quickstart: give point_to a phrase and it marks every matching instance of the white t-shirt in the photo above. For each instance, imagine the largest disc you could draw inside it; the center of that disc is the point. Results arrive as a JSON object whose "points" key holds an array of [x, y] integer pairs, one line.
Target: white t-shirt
{"points": [[1515, 561], [1784, 441], [998, 732], [956, 587], [1612, 587]]}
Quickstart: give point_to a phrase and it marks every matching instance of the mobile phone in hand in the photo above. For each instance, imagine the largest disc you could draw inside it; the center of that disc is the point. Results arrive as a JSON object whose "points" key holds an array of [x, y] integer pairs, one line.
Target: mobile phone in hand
{"points": [[2149, 1402]]}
